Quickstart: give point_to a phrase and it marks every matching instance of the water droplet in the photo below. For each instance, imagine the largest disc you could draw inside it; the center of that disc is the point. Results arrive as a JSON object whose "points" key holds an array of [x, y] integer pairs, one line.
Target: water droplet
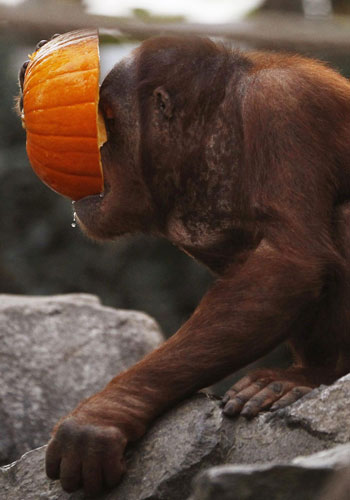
{"points": [[74, 222]]}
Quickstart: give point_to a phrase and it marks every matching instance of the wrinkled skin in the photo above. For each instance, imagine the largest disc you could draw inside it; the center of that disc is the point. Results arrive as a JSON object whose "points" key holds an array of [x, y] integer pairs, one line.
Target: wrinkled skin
{"points": [[241, 160]]}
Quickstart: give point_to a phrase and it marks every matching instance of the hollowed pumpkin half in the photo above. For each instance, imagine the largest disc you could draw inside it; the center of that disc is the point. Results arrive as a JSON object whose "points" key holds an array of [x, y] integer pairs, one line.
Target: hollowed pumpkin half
{"points": [[60, 113]]}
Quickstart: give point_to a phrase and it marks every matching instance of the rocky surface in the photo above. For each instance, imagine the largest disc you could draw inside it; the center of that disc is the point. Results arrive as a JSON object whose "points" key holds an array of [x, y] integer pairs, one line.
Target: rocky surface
{"points": [[54, 352], [266, 452], [304, 478], [160, 466], [317, 422], [51, 343]]}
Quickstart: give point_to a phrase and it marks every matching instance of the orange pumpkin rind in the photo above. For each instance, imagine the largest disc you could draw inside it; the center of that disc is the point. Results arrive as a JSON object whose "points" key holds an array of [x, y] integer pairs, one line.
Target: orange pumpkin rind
{"points": [[60, 112]]}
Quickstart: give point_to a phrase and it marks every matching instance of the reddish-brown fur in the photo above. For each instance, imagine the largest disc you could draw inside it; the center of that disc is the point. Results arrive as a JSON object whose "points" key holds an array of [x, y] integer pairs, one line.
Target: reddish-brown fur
{"points": [[243, 161]]}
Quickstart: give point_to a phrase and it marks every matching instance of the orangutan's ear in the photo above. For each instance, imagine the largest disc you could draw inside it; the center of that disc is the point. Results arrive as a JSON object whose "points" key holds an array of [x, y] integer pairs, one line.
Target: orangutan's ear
{"points": [[163, 102]]}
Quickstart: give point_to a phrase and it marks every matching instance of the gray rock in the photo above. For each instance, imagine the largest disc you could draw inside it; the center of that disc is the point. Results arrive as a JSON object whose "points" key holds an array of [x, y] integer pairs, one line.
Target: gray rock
{"points": [[304, 478], [273, 442], [25, 479], [335, 458], [325, 412], [187, 439], [259, 482], [161, 466], [270, 438], [54, 352], [194, 436], [316, 422], [273, 456]]}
